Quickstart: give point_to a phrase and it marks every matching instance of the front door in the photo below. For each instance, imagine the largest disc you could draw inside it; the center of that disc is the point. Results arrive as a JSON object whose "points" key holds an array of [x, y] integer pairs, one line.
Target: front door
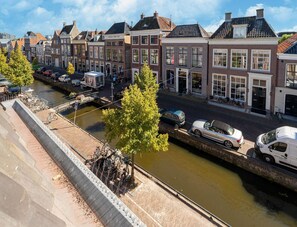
{"points": [[259, 100], [182, 82], [291, 105]]}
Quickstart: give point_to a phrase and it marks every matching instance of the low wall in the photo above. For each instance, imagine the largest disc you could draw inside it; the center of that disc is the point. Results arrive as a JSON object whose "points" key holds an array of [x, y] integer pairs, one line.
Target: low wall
{"points": [[108, 208], [273, 173]]}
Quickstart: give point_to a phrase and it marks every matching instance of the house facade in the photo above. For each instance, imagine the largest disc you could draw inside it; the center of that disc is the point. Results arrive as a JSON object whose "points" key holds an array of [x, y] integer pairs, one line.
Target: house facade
{"points": [[286, 85], [40, 50], [30, 41], [55, 49], [80, 50], [68, 33], [117, 51], [146, 43], [96, 53], [242, 63], [184, 60]]}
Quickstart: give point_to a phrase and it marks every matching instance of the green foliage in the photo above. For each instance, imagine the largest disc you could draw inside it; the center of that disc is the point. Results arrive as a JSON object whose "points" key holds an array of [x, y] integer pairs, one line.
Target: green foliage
{"points": [[20, 72], [136, 124], [284, 37], [35, 61], [3, 63], [70, 69]]}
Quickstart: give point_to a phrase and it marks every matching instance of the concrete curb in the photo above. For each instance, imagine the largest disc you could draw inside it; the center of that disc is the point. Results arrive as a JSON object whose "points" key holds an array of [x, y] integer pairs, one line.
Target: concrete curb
{"points": [[108, 208]]}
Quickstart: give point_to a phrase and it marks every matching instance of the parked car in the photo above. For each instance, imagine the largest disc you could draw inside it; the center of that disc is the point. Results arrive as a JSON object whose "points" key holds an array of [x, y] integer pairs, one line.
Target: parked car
{"points": [[64, 78], [55, 75], [4, 82], [40, 70], [47, 73], [279, 146], [13, 89], [219, 132], [173, 117], [75, 82]]}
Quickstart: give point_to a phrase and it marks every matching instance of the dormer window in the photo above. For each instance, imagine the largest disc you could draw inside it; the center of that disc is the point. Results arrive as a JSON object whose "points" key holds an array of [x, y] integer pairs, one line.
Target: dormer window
{"points": [[239, 31]]}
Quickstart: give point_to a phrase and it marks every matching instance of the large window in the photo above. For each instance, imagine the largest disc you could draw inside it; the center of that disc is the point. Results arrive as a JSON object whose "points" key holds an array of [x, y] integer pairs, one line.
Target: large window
{"points": [[108, 54], [170, 78], [239, 59], [154, 39], [261, 60], [197, 57], [219, 83], [144, 40], [135, 56], [95, 52], [135, 40], [291, 75], [91, 52], [182, 56], [75, 49], [196, 82], [154, 57], [120, 55], [170, 55], [144, 56], [101, 54], [238, 88], [220, 58], [114, 55]]}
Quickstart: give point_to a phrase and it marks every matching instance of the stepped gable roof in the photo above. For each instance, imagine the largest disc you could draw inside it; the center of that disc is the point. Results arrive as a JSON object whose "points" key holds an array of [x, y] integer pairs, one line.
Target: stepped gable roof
{"points": [[191, 30], [119, 28], [57, 32], [256, 28], [98, 37], [154, 22], [288, 45], [85, 35]]}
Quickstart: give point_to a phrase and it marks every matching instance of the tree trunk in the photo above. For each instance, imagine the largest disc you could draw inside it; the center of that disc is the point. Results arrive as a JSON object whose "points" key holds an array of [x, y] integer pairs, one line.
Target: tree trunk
{"points": [[132, 172]]}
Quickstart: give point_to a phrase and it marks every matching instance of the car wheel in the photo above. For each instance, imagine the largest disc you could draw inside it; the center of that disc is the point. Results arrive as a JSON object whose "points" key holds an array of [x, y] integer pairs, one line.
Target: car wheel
{"points": [[197, 132], [268, 158], [228, 144]]}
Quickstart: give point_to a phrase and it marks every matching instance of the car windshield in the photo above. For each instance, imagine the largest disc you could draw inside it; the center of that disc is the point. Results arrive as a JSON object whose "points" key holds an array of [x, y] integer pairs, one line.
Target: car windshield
{"points": [[269, 137]]}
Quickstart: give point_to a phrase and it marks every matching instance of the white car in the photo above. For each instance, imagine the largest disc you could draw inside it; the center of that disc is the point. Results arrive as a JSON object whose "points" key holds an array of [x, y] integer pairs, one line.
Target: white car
{"points": [[219, 132], [64, 78]]}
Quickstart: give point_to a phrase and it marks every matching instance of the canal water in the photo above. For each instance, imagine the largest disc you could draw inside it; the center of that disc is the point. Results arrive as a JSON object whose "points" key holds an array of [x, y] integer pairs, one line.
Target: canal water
{"points": [[235, 196]]}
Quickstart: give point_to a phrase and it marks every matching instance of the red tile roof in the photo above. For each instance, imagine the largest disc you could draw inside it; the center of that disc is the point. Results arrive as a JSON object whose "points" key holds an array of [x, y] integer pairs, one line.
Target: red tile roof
{"points": [[285, 45]]}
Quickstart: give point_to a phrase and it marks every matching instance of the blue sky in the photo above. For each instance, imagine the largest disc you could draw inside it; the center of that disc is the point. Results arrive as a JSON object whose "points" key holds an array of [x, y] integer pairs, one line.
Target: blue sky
{"points": [[19, 16]]}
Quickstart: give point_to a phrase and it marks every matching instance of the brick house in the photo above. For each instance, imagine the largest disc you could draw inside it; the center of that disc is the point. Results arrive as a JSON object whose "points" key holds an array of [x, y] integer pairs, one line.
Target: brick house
{"points": [[80, 50], [242, 63], [117, 51], [30, 41], [68, 33], [184, 60], [96, 47], [56, 47], [286, 84], [146, 43], [40, 50]]}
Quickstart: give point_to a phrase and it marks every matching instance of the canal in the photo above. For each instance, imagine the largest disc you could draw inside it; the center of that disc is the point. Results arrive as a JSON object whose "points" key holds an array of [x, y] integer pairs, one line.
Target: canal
{"points": [[235, 196]]}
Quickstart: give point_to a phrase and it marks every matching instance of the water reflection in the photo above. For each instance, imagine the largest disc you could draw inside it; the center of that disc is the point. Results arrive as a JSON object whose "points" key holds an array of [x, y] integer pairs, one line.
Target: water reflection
{"points": [[237, 197]]}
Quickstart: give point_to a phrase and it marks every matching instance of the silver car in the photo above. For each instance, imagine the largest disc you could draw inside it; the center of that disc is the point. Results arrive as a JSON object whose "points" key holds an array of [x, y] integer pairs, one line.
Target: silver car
{"points": [[219, 132]]}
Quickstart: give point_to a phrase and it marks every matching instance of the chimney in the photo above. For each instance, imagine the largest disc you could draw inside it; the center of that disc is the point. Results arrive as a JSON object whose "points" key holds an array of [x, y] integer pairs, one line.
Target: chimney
{"points": [[155, 14], [228, 16], [141, 16], [96, 32], [260, 13], [74, 23], [64, 24]]}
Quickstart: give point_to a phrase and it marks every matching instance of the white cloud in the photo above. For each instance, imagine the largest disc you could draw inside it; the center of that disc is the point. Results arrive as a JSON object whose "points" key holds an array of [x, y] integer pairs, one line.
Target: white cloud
{"points": [[213, 26], [251, 11], [282, 13]]}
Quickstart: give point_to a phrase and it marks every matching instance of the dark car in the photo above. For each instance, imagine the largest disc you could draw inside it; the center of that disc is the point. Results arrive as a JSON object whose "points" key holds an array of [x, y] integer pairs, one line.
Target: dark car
{"points": [[41, 70], [55, 75], [173, 117], [47, 73]]}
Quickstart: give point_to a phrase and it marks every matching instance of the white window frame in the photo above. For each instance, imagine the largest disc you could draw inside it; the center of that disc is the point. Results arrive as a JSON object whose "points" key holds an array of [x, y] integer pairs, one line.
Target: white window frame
{"points": [[212, 84], [133, 55], [245, 86], [252, 61], [153, 44], [246, 58], [142, 62], [147, 43], [222, 51], [151, 50], [137, 39], [239, 31]]}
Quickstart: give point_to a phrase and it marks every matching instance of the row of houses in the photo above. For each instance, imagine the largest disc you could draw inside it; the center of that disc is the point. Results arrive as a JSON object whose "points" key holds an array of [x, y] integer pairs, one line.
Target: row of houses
{"points": [[240, 65]]}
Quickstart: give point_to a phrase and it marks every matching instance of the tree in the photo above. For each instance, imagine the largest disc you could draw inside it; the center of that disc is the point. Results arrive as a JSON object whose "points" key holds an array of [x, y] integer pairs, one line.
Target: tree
{"points": [[70, 69], [35, 64], [136, 124], [284, 37], [3, 63], [20, 70]]}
